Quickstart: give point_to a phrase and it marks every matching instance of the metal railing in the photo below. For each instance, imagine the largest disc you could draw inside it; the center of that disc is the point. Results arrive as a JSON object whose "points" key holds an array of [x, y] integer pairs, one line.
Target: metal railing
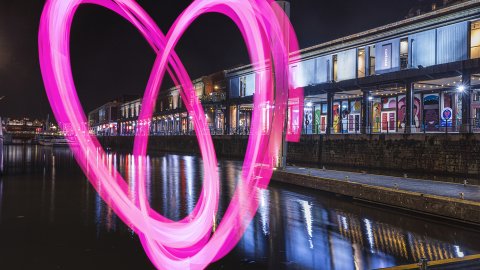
{"points": [[344, 127]]}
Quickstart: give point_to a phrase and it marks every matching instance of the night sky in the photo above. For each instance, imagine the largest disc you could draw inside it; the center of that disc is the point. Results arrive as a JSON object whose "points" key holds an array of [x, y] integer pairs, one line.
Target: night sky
{"points": [[109, 58]]}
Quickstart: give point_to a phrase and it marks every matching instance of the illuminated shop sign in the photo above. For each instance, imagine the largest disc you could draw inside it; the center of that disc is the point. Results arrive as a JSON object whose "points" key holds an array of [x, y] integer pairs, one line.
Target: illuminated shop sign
{"points": [[387, 56]]}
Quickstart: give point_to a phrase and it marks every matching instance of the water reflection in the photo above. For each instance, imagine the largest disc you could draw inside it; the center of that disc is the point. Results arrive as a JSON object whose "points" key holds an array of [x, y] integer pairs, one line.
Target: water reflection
{"points": [[293, 229]]}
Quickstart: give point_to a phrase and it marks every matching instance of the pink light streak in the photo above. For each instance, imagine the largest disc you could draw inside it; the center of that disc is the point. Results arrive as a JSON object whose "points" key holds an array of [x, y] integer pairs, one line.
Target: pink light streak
{"points": [[189, 243]]}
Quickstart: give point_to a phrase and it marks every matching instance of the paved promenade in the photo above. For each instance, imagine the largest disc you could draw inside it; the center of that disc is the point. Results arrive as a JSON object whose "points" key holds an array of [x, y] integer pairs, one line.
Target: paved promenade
{"points": [[466, 263], [447, 200], [444, 189]]}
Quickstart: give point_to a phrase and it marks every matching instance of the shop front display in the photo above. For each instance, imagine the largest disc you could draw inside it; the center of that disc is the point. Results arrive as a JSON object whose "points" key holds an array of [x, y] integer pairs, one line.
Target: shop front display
{"points": [[389, 115], [337, 118], [354, 116], [308, 120], [376, 115], [431, 106]]}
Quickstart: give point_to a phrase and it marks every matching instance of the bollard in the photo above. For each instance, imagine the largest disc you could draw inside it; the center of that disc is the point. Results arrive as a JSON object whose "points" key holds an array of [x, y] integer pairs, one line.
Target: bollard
{"points": [[423, 264], [462, 195]]}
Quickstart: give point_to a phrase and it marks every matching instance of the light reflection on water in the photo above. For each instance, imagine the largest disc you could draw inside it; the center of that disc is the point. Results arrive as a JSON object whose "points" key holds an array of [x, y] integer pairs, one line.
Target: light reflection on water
{"points": [[45, 195]]}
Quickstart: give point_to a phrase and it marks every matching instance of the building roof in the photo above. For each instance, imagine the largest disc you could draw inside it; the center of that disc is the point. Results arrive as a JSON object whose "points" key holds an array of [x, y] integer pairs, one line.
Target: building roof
{"points": [[454, 11]]}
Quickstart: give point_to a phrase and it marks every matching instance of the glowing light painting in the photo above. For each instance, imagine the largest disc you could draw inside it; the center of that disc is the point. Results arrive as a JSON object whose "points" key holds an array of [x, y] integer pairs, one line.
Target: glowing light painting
{"points": [[189, 243]]}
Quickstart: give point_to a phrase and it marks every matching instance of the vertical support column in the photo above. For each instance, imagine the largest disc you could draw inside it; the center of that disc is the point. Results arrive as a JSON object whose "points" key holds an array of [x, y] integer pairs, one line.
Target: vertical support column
{"points": [[215, 119], [283, 84], [365, 125], [466, 102], [329, 113], [409, 112], [238, 119], [187, 130], [227, 119]]}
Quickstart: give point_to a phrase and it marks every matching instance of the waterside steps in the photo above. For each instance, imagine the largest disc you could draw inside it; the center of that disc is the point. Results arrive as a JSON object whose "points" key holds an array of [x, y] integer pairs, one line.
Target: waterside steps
{"points": [[465, 263]]}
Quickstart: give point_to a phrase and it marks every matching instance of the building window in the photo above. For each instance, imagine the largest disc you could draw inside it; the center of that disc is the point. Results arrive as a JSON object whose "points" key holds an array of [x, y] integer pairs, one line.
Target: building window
{"points": [[243, 86], [335, 68], [361, 63], [475, 40], [404, 53], [170, 102], [371, 56]]}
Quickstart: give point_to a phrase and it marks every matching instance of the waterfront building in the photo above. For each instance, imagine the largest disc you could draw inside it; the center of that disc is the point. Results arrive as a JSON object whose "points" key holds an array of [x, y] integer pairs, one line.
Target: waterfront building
{"points": [[127, 120], [170, 116], [23, 126], [417, 75], [103, 120], [421, 74]]}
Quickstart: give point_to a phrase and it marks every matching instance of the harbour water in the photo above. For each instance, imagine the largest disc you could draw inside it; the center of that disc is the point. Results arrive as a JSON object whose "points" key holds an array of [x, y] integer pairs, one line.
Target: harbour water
{"points": [[51, 218]]}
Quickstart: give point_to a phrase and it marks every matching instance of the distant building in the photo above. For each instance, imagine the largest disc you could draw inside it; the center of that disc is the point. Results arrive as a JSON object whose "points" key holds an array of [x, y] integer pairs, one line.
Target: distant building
{"points": [[103, 120], [23, 125]]}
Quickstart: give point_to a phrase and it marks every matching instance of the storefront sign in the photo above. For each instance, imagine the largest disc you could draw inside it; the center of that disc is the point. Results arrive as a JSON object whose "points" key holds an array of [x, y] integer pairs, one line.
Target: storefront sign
{"points": [[387, 56], [447, 115]]}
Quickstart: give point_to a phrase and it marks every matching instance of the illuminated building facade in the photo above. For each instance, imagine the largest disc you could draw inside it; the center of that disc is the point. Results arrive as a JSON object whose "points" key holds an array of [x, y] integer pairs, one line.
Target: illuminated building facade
{"points": [[418, 75]]}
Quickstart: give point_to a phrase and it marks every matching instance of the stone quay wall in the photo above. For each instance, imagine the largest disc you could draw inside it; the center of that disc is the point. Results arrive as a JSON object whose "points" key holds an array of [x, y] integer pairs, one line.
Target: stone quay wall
{"points": [[456, 155]]}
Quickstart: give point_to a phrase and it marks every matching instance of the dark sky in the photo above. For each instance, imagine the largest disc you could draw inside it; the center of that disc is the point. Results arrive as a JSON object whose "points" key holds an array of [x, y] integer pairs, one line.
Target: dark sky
{"points": [[109, 58]]}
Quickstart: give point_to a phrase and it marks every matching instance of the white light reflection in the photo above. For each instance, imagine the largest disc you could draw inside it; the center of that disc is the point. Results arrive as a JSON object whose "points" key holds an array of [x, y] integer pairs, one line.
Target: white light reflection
{"points": [[460, 254], [131, 176], [344, 223], [307, 212], [368, 226], [149, 179], [189, 171], [164, 184], [264, 210], [52, 192]]}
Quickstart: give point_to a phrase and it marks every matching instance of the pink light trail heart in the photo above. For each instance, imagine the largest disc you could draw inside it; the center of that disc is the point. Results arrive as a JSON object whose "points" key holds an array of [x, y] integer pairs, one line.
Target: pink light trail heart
{"points": [[189, 243]]}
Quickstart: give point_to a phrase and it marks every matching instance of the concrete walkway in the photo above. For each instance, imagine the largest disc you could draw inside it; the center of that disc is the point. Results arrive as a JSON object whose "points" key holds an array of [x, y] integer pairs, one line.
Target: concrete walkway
{"points": [[444, 189], [466, 263], [441, 199]]}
